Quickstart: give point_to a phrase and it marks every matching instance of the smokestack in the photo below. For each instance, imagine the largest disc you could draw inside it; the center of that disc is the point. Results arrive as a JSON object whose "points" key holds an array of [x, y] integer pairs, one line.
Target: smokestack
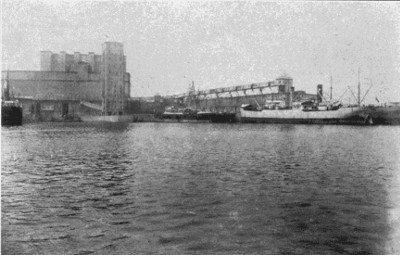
{"points": [[319, 93]]}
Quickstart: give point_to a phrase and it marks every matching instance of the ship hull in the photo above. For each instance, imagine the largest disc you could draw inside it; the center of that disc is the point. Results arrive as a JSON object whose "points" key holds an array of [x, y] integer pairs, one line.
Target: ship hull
{"points": [[385, 115], [351, 115], [217, 117], [11, 116]]}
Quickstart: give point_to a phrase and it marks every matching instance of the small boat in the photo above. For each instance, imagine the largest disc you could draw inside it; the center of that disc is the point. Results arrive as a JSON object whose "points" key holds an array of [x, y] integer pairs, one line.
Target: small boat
{"points": [[172, 113], [182, 115]]}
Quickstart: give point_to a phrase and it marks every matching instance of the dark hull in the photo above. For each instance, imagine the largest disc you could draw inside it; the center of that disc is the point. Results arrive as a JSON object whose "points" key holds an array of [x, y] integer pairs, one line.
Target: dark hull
{"points": [[11, 116], [216, 117], [350, 121], [385, 115], [223, 117], [179, 117]]}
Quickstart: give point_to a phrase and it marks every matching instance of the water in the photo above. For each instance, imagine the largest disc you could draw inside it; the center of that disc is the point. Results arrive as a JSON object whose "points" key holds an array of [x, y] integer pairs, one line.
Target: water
{"points": [[164, 188]]}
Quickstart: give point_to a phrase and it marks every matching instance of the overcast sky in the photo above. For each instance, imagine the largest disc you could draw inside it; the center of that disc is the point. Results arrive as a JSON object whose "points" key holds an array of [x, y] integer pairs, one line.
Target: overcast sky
{"points": [[218, 44]]}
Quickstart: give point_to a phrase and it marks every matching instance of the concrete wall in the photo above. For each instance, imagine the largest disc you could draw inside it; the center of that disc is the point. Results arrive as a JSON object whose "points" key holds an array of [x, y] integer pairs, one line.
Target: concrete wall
{"points": [[53, 85], [41, 75]]}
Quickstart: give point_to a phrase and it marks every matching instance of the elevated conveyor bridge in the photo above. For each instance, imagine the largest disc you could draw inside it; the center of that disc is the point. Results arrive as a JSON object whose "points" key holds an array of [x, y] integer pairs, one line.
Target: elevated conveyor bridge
{"points": [[202, 94]]}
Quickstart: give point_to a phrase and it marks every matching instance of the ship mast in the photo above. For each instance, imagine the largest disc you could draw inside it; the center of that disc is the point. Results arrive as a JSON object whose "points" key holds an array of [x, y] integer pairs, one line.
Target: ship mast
{"points": [[331, 89], [359, 88]]}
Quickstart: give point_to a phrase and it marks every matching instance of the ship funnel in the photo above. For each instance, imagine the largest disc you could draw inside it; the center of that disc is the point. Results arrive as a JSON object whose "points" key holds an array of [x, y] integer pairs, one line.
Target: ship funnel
{"points": [[319, 93]]}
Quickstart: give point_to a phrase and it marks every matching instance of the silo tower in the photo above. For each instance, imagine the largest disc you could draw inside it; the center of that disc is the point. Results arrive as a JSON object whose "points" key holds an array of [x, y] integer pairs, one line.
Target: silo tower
{"points": [[112, 75]]}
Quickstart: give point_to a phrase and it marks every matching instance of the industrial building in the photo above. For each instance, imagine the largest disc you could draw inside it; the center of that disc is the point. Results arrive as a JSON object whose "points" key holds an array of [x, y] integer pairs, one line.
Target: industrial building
{"points": [[69, 85], [229, 99]]}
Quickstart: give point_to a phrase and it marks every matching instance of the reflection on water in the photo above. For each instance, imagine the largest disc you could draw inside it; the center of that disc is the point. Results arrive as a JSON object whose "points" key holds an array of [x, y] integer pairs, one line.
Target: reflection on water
{"points": [[159, 188]]}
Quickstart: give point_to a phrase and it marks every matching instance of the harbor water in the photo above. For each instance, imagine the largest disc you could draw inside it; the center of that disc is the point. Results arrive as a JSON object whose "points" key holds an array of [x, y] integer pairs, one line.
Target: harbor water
{"points": [[199, 188]]}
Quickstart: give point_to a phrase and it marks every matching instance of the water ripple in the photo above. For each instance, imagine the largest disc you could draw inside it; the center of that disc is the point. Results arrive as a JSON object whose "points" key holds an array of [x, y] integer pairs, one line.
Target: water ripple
{"points": [[154, 188]]}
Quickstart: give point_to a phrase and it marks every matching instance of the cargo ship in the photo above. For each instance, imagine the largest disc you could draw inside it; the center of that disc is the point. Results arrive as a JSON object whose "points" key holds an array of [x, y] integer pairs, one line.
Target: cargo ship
{"points": [[318, 110], [306, 113], [11, 109]]}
